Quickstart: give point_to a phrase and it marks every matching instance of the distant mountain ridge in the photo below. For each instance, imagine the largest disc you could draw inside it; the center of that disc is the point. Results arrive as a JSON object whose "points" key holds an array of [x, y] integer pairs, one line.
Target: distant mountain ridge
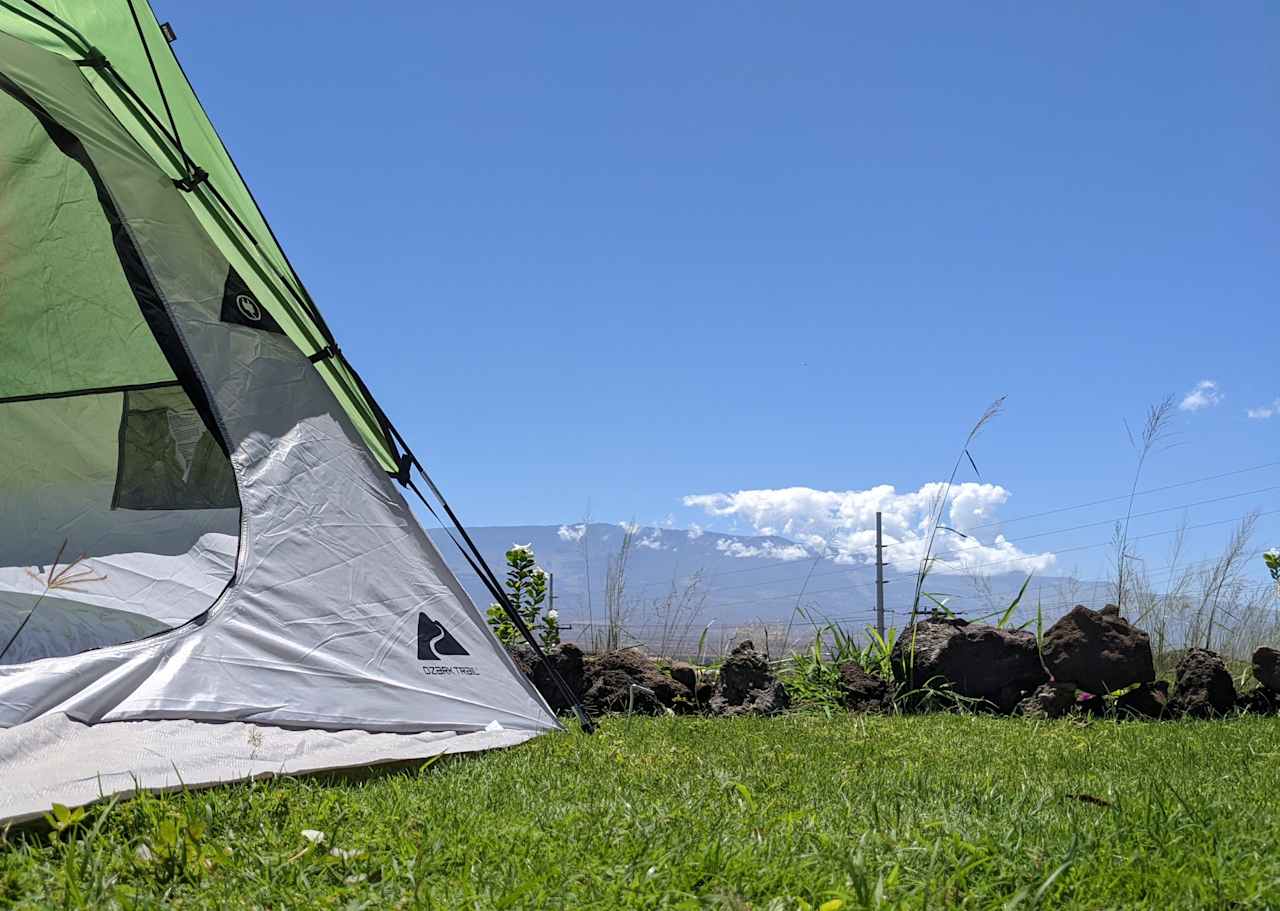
{"points": [[742, 579]]}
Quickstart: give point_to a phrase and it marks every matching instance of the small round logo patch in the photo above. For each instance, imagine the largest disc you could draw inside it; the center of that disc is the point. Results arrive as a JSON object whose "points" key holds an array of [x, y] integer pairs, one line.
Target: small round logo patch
{"points": [[248, 307]]}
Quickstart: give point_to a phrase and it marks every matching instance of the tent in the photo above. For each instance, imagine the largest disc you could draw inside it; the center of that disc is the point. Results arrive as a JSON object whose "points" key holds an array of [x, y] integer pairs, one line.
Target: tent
{"points": [[208, 568]]}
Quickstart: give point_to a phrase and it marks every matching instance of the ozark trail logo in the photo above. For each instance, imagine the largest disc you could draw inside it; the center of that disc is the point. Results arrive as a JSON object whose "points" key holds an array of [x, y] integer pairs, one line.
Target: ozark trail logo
{"points": [[434, 640]]}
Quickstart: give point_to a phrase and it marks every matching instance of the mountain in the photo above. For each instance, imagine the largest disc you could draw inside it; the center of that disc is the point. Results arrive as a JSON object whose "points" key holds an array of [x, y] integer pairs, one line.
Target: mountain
{"points": [[674, 582]]}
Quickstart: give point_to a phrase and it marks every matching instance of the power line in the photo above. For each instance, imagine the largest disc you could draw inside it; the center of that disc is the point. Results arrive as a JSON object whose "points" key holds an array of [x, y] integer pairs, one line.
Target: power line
{"points": [[998, 563], [901, 574], [869, 550], [1125, 496], [1136, 515]]}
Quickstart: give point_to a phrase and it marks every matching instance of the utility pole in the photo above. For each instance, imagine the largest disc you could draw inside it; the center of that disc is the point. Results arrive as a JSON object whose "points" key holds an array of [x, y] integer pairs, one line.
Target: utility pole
{"points": [[879, 579]]}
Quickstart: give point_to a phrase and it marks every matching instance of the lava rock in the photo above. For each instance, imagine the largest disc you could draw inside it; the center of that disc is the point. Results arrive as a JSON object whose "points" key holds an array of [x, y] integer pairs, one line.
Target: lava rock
{"points": [[1260, 701], [744, 671], [974, 661], [567, 659], [610, 691], [1202, 685], [747, 686], [1266, 668], [769, 700], [1098, 651], [1146, 700], [1091, 705], [1049, 700], [610, 677], [687, 674], [863, 692]]}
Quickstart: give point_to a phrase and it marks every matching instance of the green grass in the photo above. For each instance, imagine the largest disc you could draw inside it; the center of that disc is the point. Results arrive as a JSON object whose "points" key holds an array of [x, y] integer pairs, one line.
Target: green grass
{"points": [[933, 811]]}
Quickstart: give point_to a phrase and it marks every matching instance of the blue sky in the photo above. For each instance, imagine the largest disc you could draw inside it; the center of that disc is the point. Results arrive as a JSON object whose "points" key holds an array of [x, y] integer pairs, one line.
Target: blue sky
{"points": [[630, 253]]}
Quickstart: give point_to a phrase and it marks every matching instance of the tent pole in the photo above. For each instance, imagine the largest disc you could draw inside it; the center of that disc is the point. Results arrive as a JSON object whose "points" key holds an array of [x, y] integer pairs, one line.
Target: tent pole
{"points": [[481, 569]]}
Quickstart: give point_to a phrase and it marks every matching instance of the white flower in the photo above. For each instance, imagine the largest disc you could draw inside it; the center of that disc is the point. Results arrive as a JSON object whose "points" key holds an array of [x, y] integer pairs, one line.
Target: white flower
{"points": [[553, 614], [523, 548], [349, 854], [539, 571], [315, 836]]}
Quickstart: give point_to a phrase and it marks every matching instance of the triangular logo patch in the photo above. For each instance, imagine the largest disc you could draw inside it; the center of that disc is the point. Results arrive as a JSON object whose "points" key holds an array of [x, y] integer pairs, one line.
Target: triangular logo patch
{"points": [[434, 640]]}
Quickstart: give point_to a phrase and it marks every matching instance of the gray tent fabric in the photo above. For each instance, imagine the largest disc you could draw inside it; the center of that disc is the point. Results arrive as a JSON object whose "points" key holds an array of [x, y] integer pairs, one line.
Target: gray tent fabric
{"points": [[134, 594]]}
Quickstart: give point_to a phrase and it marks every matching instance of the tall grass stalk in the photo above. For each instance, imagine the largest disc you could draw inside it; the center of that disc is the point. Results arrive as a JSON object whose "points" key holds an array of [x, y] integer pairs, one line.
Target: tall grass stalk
{"points": [[1154, 432], [940, 504]]}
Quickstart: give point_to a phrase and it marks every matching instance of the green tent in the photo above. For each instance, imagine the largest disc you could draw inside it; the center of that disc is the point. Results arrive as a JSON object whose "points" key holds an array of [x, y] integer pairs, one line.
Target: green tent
{"points": [[207, 565], [127, 59]]}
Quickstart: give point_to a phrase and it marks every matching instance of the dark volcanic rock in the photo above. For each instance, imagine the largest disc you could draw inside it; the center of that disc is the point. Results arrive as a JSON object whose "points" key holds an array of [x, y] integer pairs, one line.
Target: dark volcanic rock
{"points": [[744, 671], [1202, 685], [1050, 700], [1259, 701], [770, 700], [685, 673], [1147, 700], [1266, 668], [1099, 652], [863, 692], [567, 659], [610, 677], [974, 661], [1091, 704], [746, 685]]}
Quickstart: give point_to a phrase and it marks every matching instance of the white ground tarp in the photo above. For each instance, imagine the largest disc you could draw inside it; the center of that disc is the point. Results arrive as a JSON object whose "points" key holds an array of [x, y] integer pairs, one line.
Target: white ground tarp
{"points": [[55, 759]]}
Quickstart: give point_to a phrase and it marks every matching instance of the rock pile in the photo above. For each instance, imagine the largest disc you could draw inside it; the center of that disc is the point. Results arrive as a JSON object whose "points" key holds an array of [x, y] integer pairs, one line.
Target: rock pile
{"points": [[1088, 663], [628, 679]]}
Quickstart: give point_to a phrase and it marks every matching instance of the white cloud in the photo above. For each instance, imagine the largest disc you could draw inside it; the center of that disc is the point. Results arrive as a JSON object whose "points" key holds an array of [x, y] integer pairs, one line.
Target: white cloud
{"points": [[1265, 411], [629, 527], [695, 531], [843, 523], [572, 533], [770, 550], [1205, 394], [652, 539]]}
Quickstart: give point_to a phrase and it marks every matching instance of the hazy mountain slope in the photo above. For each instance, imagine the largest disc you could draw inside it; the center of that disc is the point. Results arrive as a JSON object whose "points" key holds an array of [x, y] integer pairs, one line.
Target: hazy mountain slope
{"points": [[744, 579]]}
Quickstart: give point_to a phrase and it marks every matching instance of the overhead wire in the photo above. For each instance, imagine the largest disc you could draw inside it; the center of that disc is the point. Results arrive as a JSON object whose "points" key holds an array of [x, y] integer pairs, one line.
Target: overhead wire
{"points": [[900, 574], [870, 549]]}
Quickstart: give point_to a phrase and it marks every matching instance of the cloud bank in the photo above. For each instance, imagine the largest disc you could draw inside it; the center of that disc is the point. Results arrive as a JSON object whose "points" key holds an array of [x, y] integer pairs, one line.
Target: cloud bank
{"points": [[843, 523]]}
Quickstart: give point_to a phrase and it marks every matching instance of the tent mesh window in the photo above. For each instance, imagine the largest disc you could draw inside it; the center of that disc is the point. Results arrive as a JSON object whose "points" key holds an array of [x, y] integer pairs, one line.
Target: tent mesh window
{"points": [[119, 514], [168, 458]]}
